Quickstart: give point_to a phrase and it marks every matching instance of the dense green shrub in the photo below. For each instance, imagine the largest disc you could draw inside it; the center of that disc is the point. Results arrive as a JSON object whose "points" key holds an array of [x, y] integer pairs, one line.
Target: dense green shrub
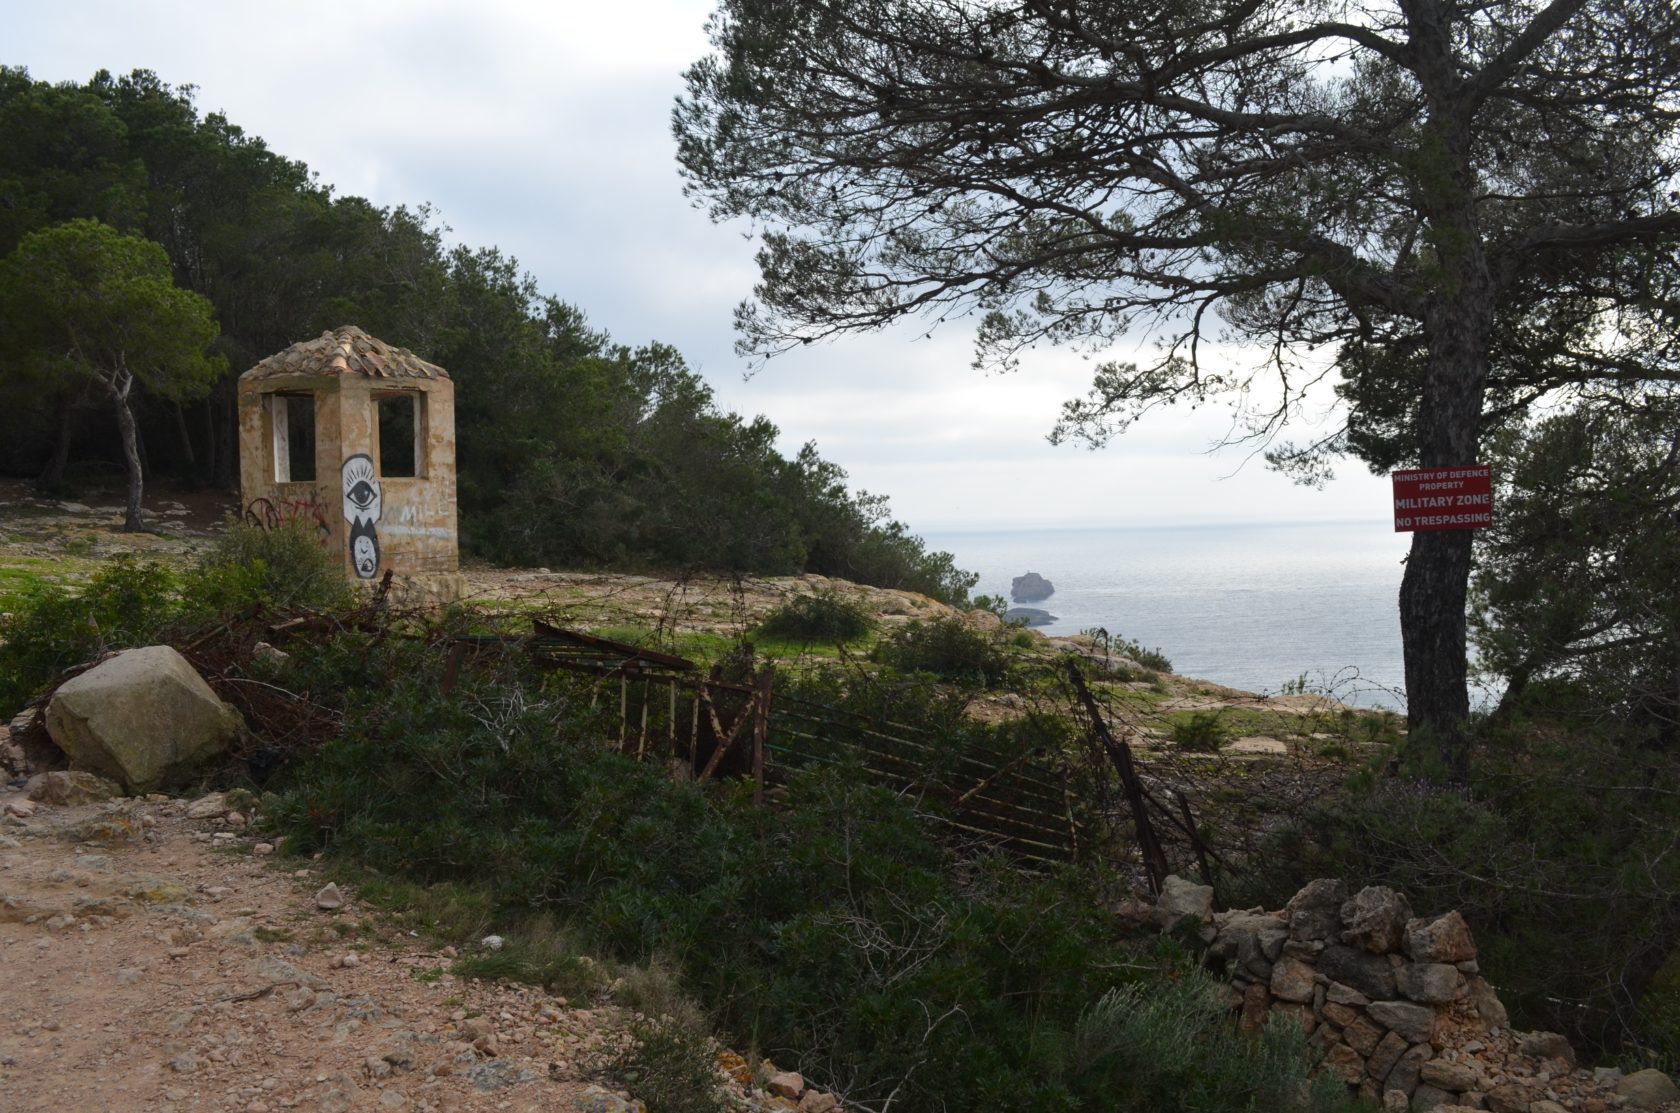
{"points": [[1106, 643], [1148, 658], [124, 604], [284, 568], [825, 616], [947, 648], [672, 1067]]}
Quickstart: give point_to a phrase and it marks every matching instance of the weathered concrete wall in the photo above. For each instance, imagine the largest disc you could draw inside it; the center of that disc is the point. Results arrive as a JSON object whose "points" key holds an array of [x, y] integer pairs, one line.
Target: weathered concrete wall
{"points": [[263, 499], [417, 527]]}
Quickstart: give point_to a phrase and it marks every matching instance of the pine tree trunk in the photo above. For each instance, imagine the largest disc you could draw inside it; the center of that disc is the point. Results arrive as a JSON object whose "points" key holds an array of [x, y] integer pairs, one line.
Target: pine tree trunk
{"points": [[212, 449], [51, 481], [1432, 634], [224, 401], [186, 439], [122, 384], [1436, 584]]}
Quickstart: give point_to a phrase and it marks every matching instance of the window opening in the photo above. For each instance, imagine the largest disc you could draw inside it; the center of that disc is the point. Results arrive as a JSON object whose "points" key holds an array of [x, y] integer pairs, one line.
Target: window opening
{"points": [[293, 417], [399, 435]]}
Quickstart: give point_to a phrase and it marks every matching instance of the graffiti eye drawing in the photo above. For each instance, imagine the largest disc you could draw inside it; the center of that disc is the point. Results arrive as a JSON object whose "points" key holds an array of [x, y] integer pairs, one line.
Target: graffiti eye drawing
{"points": [[361, 496], [361, 511], [361, 488]]}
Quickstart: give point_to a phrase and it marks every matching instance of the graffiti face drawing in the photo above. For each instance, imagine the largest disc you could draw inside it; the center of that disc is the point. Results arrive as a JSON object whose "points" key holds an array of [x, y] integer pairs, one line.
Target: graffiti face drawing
{"points": [[361, 510], [364, 550]]}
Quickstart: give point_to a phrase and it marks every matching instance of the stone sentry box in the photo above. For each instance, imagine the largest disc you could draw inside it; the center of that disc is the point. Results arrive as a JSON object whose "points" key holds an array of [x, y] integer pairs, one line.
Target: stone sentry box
{"points": [[356, 439]]}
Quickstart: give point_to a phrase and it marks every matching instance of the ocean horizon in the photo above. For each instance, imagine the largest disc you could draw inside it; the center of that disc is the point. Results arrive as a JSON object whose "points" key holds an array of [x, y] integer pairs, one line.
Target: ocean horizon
{"points": [[1253, 606]]}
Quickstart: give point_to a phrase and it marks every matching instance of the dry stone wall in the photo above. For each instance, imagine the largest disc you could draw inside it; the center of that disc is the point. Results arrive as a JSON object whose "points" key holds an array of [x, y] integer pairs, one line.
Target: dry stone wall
{"points": [[1397, 1004]]}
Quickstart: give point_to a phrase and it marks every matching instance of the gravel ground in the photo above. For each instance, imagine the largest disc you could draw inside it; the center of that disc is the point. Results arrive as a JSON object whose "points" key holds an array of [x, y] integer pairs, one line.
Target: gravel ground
{"points": [[153, 961]]}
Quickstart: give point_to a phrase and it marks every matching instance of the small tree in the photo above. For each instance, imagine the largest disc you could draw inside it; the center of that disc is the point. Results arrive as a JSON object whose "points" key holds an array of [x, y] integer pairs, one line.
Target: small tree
{"points": [[1579, 580], [83, 302]]}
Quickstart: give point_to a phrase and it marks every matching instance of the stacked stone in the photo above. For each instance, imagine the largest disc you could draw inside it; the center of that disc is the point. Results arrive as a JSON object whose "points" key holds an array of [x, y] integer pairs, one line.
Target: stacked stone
{"points": [[1396, 1002]]}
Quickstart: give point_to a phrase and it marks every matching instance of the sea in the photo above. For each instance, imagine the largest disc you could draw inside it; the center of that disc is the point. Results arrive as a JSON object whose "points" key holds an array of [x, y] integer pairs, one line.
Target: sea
{"points": [[1256, 607]]}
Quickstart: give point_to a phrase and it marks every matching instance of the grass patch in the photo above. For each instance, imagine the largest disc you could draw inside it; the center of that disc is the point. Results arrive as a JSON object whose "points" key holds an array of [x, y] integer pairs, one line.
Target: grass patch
{"points": [[445, 912], [22, 577], [1144, 699], [539, 950]]}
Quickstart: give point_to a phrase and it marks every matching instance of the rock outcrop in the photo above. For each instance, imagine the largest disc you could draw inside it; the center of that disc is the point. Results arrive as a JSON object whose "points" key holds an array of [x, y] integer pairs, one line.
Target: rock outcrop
{"points": [[25, 746], [1031, 588], [1032, 616], [143, 717]]}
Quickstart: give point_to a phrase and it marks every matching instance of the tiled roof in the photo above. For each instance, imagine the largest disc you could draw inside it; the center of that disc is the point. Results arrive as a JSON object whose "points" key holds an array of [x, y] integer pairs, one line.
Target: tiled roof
{"points": [[346, 351]]}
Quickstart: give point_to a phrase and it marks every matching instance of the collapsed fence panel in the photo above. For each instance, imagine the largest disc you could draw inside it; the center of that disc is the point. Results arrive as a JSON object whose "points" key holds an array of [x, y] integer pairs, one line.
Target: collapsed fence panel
{"points": [[1018, 802]]}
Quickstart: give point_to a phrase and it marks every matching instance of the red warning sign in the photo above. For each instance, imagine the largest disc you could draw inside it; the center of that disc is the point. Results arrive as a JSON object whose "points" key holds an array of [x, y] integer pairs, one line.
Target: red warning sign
{"points": [[1443, 498]]}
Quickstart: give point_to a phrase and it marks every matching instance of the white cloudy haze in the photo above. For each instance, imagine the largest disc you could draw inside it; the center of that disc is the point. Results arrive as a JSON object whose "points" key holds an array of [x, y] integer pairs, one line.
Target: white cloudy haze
{"points": [[543, 128]]}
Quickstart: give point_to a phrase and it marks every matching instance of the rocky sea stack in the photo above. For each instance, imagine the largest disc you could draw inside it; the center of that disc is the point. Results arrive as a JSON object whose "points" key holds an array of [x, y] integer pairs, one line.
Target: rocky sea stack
{"points": [[1031, 588]]}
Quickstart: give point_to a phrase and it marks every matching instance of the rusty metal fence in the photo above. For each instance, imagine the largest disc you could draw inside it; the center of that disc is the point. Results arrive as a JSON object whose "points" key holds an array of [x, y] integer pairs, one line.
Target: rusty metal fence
{"points": [[669, 710]]}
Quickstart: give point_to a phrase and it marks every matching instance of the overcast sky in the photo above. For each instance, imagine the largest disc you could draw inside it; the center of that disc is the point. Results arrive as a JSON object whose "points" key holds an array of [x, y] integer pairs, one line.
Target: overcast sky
{"points": [[543, 128]]}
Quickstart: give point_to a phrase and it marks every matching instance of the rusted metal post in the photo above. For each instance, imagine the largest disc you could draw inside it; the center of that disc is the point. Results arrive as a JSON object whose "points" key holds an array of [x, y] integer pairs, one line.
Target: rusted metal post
{"points": [[452, 668], [1200, 848], [694, 730], [623, 711], [641, 742], [761, 730], [1120, 755]]}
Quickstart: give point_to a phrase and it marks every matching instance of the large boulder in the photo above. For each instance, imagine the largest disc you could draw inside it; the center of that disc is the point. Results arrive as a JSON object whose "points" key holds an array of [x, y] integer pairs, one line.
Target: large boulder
{"points": [[1648, 1089], [143, 717]]}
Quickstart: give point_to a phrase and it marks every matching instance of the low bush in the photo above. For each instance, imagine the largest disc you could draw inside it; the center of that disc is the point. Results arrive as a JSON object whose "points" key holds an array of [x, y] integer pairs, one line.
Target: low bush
{"points": [[1168, 1044], [948, 649], [1151, 659], [1200, 732], [823, 617], [283, 568], [671, 1066], [133, 602]]}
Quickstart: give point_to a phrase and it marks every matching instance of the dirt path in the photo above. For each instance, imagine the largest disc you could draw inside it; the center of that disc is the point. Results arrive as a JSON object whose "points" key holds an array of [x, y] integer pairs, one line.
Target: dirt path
{"points": [[151, 961]]}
